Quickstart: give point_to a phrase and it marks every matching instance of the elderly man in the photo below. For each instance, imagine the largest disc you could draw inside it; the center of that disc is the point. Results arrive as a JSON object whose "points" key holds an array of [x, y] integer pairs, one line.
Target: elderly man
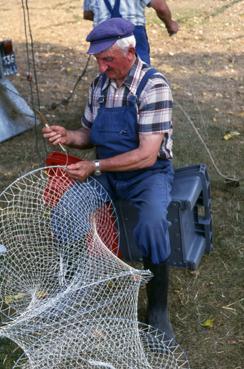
{"points": [[134, 11], [128, 120]]}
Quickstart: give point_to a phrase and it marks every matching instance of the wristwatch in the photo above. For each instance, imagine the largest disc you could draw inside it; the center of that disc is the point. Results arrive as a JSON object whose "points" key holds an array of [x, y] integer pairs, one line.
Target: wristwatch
{"points": [[97, 168]]}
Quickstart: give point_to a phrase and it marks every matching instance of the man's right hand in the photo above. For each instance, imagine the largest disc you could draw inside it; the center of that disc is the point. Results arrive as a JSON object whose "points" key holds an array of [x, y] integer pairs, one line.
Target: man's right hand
{"points": [[56, 135], [172, 27], [164, 13], [88, 15]]}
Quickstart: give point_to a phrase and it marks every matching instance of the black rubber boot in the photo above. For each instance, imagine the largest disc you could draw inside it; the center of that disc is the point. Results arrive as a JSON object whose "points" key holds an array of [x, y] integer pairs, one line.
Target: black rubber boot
{"points": [[157, 294]]}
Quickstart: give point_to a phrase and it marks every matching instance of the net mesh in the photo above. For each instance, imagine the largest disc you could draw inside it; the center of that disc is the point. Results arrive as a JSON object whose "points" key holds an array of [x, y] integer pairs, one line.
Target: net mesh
{"points": [[68, 301]]}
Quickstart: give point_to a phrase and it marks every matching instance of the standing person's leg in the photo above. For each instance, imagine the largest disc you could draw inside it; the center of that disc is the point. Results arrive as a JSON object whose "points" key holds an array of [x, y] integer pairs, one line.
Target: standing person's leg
{"points": [[142, 44]]}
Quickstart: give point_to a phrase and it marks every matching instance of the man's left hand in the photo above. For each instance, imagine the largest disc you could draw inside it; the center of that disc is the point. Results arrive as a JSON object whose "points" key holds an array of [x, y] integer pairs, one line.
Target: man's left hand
{"points": [[81, 170]]}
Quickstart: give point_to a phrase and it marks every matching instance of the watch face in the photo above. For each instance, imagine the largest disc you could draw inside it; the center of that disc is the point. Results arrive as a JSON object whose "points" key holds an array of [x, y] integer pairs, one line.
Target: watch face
{"points": [[97, 172]]}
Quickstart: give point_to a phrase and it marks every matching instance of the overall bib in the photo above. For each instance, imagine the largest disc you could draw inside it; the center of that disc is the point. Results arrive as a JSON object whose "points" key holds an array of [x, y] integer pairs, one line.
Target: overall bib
{"points": [[115, 131], [142, 44]]}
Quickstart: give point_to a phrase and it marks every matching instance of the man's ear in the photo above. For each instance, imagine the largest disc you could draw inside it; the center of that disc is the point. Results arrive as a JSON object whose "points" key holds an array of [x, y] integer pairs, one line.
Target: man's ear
{"points": [[131, 52]]}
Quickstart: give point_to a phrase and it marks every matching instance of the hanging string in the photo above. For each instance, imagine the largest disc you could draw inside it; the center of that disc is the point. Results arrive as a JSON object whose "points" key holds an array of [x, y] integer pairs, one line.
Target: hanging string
{"points": [[31, 57], [27, 25]]}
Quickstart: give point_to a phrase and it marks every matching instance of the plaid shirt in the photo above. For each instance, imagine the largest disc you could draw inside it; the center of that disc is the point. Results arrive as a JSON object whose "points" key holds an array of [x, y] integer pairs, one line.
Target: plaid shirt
{"points": [[133, 11], [154, 107]]}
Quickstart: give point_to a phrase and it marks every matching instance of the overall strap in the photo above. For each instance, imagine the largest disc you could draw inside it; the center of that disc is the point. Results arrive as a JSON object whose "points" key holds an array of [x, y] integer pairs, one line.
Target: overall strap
{"points": [[144, 80], [115, 10], [103, 96]]}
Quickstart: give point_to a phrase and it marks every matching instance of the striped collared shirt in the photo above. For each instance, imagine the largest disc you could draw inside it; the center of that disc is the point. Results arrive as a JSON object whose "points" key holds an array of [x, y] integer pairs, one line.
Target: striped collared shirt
{"points": [[133, 11], [154, 112]]}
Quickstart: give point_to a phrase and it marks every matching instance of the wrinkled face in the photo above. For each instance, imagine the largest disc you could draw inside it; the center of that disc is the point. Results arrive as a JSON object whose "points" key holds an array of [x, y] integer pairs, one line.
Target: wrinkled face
{"points": [[115, 63]]}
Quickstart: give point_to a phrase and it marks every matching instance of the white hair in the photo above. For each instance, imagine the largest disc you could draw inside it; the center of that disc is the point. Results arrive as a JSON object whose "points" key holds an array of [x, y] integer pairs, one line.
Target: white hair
{"points": [[125, 42]]}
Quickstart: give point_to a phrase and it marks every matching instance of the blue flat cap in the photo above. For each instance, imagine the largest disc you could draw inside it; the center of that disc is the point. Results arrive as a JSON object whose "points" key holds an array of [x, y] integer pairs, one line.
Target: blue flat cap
{"points": [[105, 34]]}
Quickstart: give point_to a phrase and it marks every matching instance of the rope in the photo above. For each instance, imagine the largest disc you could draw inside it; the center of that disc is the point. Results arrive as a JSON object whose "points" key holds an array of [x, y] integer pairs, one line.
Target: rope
{"points": [[226, 177], [27, 24], [28, 34], [66, 100]]}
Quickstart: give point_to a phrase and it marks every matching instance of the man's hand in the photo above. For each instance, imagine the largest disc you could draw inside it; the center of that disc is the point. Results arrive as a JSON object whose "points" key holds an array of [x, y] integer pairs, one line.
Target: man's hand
{"points": [[172, 27], [164, 13], [56, 135], [78, 138], [88, 15], [81, 170]]}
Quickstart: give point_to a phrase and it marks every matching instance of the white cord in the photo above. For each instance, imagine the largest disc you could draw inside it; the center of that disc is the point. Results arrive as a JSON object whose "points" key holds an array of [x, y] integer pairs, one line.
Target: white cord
{"points": [[231, 179]]}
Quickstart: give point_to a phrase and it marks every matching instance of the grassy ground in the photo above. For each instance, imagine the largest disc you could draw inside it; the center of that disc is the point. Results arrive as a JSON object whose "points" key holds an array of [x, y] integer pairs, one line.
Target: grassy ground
{"points": [[204, 63]]}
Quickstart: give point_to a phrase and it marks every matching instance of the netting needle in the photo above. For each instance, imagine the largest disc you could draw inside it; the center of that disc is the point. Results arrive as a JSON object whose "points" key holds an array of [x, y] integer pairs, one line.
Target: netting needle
{"points": [[46, 124]]}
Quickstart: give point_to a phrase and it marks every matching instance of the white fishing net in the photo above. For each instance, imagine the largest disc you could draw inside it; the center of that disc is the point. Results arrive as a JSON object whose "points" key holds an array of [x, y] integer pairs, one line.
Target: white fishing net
{"points": [[68, 301]]}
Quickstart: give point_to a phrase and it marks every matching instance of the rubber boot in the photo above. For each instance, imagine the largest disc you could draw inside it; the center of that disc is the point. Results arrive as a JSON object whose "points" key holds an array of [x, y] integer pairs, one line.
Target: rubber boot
{"points": [[157, 294]]}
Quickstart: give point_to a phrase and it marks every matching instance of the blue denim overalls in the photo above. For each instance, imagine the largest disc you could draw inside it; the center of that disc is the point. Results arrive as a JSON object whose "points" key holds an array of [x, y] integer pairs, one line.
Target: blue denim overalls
{"points": [[142, 44], [115, 131]]}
